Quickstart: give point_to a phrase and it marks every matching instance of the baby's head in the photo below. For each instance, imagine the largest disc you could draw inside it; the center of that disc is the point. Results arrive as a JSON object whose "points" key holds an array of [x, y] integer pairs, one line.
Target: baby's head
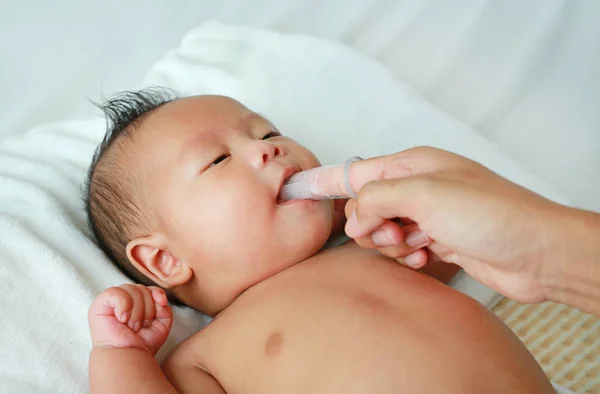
{"points": [[182, 193]]}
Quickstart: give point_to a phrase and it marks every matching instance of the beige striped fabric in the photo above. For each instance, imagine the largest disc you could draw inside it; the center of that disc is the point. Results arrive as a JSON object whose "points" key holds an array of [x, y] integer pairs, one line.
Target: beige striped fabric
{"points": [[564, 340]]}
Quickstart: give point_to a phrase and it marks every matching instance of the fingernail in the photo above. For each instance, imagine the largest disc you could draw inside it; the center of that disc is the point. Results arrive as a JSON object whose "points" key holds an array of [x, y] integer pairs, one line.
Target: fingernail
{"points": [[352, 225], [124, 317], [383, 237], [412, 260], [416, 238], [136, 326]]}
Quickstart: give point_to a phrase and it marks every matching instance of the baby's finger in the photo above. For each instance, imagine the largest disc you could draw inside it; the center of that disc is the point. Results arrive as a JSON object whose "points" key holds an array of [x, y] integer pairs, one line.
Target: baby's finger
{"points": [[162, 323], [158, 295], [137, 311], [164, 315], [113, 301], [149, 309]]}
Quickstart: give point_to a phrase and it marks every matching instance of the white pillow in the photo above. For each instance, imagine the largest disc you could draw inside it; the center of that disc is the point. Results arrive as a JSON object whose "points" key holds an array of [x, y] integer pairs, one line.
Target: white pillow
{"points": [[327, 96]]}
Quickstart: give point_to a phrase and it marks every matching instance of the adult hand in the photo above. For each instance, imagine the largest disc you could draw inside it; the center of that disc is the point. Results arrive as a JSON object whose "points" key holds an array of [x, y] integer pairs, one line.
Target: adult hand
{"points": [[503, 235]]}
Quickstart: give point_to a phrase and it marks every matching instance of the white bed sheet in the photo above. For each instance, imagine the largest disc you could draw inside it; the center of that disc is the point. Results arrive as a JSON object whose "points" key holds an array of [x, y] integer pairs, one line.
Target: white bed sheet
{"points": [[525, 74]]}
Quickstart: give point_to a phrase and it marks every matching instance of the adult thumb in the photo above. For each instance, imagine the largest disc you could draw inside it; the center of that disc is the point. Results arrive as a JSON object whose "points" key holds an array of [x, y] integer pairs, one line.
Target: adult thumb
{"points": [[384, 199]]}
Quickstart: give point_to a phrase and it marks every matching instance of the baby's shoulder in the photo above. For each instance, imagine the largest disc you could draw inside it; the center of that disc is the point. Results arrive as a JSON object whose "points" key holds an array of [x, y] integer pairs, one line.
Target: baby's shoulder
{"points": [[204, 347], [188, 368], [188, 351], [343, 250]]}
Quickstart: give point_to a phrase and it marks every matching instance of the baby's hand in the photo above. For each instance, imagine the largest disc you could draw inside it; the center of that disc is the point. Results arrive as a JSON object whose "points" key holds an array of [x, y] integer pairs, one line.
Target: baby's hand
{"points": [[130, 316]]}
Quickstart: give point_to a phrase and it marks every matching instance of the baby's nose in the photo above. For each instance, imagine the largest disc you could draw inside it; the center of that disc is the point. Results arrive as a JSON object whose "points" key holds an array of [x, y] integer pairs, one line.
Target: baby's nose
{"points": [[262, 151]]}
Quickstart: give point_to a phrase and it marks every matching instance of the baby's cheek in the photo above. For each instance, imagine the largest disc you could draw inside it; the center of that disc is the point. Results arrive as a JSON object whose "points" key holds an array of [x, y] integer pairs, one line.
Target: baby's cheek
{"points": [[302, 155]]}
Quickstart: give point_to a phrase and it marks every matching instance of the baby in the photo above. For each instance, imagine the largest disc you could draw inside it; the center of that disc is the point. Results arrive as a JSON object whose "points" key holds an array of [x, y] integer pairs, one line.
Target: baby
{"points": [[182, 195]]}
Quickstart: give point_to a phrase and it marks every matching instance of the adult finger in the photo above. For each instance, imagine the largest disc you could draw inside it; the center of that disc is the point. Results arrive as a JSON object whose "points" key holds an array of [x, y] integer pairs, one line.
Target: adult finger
{"points": [[387, 199], [330, 181], [349, 207], [416, 260], [398, 241], [429, 263], [404, 164], [390, 233]]}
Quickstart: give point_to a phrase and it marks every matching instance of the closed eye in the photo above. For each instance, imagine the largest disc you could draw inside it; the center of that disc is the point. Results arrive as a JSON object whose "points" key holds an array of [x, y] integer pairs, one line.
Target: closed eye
{"points": [[218, 160], [272, 134]]}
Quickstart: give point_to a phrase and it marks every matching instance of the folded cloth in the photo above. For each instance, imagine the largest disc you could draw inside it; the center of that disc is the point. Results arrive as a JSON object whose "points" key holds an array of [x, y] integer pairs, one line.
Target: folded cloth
{"points": [[333, 100]]}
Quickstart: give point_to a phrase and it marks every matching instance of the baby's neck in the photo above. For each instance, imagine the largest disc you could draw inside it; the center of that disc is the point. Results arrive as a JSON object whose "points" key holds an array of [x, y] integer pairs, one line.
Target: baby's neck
{"points": [[213, 308]]}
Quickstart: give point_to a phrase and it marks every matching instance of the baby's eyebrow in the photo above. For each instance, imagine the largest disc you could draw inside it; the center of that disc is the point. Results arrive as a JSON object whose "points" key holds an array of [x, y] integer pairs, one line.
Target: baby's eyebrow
{"points": [[256, 118], [200, 139]]}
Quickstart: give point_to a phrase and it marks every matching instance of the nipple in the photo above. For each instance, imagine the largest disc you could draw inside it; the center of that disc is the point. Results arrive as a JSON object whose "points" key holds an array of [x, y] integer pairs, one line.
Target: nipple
{"points": [[321, 183]]}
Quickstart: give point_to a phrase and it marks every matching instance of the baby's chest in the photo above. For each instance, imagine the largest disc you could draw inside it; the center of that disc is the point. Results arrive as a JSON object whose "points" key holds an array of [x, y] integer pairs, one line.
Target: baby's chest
{"points": [[307, 348], [305, 334]]}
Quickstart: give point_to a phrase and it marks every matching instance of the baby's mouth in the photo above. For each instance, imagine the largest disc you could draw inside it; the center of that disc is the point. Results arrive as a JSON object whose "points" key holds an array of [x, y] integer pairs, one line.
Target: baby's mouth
{"points": [[283, 195]]}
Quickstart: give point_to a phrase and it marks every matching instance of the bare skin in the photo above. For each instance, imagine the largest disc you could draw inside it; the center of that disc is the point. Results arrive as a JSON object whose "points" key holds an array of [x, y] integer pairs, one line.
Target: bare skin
{"points": [[346, 320], [288, 317], [524, 246]]}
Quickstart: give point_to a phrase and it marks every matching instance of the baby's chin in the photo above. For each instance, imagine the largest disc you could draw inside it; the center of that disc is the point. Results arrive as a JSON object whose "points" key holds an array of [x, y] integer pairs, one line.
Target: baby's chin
{"points": [[300, 232], [310, 230]]}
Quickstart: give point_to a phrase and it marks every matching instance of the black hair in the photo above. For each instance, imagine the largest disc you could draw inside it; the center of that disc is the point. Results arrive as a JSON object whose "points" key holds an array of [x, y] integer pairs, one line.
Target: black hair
{"points": [[112, 205]]}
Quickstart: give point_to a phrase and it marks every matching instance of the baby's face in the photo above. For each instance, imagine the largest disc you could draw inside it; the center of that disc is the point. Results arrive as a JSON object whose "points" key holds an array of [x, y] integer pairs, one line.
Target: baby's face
{"points": [[214, 171]]}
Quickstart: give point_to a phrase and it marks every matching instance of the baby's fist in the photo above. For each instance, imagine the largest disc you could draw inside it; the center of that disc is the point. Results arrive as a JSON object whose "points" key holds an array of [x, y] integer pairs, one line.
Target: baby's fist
{"points": [[131, 316]]}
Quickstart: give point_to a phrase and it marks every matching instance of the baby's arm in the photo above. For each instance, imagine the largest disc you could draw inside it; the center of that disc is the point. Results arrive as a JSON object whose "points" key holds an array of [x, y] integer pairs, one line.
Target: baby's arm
{"points": [[126, 370], [128, 325]]}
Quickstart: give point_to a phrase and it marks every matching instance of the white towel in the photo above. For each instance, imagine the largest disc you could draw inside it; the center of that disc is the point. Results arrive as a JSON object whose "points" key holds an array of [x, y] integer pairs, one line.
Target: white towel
{"points": [[327, 96]]}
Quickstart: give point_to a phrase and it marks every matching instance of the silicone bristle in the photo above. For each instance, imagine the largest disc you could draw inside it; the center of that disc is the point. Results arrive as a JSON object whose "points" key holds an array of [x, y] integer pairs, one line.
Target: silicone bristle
{"points": [[295, 191]]}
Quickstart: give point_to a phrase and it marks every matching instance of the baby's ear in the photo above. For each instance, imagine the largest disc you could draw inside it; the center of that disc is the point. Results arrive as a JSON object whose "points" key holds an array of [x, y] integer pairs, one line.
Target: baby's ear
{"points": [[151, 257]]}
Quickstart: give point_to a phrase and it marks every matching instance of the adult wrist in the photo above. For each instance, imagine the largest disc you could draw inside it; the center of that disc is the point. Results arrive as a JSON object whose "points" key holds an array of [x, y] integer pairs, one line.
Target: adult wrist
{"points": [[573, 261]]}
